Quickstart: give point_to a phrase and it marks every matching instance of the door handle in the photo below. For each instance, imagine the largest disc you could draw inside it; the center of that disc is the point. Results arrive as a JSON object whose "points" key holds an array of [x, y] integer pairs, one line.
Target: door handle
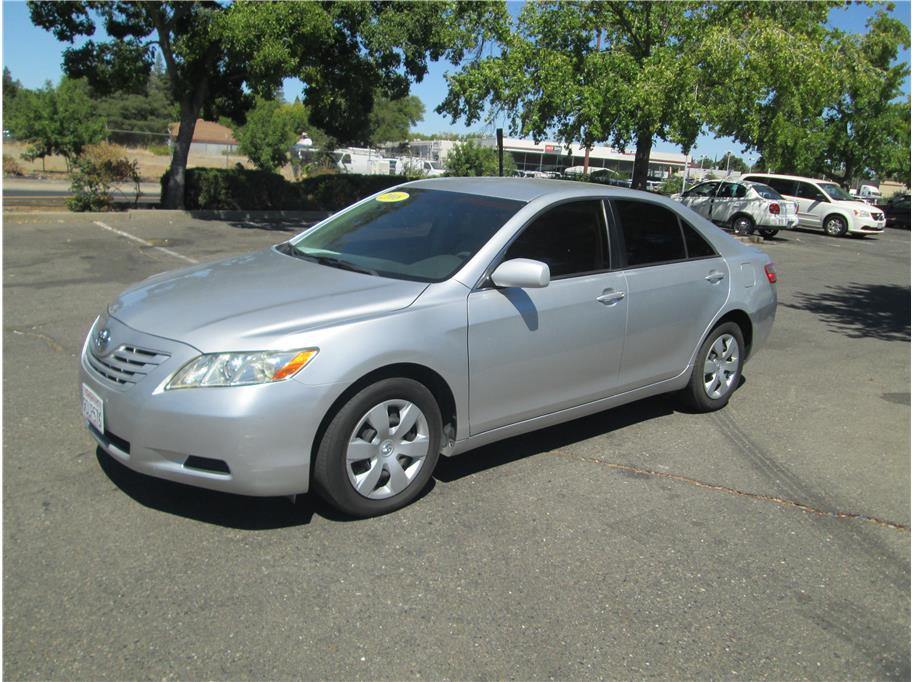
{"points": [[715, 276], [610, 297]]}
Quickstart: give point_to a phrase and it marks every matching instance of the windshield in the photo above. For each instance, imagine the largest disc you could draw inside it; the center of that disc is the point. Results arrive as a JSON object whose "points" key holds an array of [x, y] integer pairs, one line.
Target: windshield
{"points": [[835, 191], [766, 191], [416, 234]]}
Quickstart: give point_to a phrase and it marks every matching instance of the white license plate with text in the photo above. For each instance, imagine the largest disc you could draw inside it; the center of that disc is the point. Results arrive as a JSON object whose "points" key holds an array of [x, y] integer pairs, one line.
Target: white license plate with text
{"points": [[93, 408]]}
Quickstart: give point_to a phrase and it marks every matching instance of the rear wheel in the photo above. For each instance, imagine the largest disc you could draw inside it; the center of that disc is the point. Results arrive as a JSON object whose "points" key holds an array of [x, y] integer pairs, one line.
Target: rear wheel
{"points": [[742, 225], [380, 448], [717, 370], [835, 226]]}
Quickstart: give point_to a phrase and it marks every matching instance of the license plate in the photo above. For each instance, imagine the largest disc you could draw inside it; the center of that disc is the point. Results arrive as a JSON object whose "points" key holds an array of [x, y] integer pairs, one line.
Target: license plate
{"points": [[93, 408]]}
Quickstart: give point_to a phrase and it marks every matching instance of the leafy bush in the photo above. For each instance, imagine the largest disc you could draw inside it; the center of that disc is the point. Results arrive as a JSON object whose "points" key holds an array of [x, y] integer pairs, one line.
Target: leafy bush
{"points": [[256, 190], [470, 159], [11, 166], [94, 171]]}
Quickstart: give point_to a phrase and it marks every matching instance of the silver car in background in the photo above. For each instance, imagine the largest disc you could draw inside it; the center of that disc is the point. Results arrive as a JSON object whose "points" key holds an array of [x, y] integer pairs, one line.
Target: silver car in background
{"points": [[743, 207], [433, 318]]}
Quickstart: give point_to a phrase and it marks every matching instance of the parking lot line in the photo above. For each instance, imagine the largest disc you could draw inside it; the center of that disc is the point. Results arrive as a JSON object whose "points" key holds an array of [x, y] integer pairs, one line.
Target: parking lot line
{"points": [[175, 254]]}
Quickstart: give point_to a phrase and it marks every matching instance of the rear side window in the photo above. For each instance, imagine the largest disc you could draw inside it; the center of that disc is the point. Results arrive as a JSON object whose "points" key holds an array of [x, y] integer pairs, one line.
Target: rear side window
{"points": [[697, 246], [570, 238], [651, 233]]}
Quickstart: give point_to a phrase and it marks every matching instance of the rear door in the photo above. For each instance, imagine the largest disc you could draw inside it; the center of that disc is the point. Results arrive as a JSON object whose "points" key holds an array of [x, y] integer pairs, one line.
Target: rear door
{"points": [[676, 285]]}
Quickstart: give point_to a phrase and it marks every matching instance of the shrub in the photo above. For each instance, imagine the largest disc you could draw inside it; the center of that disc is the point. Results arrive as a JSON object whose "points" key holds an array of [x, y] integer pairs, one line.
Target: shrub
{"points": [[11, 166], [95, 171], [256, 190], [470, 159]]}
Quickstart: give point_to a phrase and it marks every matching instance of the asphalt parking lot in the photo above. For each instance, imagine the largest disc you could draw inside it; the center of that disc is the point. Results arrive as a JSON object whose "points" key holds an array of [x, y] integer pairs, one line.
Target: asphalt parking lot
{"points": [[766, 541]]}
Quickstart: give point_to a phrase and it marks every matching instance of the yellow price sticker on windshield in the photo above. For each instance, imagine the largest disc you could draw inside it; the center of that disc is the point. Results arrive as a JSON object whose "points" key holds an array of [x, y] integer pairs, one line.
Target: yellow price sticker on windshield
{"points": [[390, 197]]}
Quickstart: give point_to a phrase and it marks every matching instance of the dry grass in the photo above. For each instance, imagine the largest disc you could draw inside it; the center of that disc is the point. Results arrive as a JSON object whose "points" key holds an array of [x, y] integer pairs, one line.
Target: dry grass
{"points": [[151, 167]]}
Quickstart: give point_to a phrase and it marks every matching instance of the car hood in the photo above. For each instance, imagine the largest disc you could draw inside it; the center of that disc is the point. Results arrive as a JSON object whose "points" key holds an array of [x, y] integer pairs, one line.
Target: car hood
{"points": [[247, 302]]}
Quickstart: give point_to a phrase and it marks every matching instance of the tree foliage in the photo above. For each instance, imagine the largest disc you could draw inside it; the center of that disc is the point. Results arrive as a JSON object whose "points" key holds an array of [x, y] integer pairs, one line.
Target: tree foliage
{"points": [[392, 119], [629, 72], [469, 159], [59, 120], [219, 56], [271, 129]]}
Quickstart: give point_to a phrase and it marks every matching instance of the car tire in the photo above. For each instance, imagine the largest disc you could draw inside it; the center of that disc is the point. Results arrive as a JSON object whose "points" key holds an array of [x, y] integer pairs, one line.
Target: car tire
{"points": [[835, 226], [717, 369], [742, 225], [366, 465], [768, 232]]}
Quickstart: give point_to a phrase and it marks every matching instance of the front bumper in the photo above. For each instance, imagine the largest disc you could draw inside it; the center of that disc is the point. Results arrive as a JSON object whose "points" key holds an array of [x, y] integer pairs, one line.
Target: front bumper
{"points": [[867, 226], [262, 434]]}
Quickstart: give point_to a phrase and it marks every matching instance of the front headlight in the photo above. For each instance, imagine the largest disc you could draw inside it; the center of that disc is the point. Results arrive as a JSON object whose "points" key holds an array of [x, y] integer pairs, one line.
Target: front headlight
{"points": [[861, 214], [241, 369]]}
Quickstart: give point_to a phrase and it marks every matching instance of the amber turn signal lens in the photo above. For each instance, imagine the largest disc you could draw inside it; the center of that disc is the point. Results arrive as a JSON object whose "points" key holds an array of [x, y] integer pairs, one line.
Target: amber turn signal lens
{"points": [[296, 363]]}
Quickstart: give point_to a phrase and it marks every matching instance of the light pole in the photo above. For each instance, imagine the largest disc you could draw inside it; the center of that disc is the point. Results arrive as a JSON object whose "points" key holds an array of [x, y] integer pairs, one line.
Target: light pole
{"points": [[728, 160]]}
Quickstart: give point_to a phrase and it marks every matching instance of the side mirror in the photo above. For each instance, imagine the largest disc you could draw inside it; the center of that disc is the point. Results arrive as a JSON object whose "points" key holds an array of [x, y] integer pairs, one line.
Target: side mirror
{"points": [[522, 273]]}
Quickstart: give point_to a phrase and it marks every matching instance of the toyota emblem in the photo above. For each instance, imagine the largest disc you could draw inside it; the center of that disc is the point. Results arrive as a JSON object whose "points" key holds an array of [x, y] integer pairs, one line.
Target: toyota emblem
{"points": [[102, 339]]}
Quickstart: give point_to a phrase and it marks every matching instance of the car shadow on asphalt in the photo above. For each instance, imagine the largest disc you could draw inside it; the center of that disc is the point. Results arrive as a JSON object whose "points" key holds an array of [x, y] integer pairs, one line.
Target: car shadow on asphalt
{"points": [[209, 506], [553, 438], [877, 311]]}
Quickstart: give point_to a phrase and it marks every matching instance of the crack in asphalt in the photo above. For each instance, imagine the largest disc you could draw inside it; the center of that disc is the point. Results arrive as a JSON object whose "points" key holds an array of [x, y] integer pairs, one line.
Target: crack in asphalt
{"points": [[781, 501], [54, 346]]}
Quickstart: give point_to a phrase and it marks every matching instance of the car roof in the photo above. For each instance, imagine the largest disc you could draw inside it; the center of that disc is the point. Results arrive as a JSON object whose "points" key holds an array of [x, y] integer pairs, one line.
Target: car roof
{"points": [[529, 189], [789, 177]]}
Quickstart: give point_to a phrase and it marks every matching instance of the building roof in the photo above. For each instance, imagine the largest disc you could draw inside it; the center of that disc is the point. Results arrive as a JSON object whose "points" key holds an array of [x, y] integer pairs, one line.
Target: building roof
{"points": [[512, 144], [206, 131]]}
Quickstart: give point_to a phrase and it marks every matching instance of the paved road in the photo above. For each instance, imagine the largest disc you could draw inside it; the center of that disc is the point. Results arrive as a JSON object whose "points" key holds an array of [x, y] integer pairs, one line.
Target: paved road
{"points": [[766, 541]]}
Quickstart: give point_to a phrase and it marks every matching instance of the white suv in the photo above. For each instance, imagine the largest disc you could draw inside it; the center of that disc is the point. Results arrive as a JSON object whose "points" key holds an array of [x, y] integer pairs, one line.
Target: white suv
{"points": [[824, 204]]}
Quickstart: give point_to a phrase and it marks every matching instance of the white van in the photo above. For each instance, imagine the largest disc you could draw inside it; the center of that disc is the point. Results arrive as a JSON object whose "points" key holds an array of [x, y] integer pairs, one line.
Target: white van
{"points": [[824, 204]]}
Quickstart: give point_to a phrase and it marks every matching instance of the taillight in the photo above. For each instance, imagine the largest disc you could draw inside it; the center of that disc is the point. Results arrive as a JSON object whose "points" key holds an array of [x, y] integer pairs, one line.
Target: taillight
{"points": [[770, 271], [774, 208]]}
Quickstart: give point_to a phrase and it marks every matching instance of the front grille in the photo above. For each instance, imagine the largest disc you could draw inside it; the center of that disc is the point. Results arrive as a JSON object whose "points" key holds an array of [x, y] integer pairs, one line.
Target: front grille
{"points": [[126, 365]]}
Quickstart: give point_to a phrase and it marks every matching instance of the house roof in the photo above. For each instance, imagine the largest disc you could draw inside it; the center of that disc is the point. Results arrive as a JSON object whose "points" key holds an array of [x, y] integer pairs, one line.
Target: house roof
{"points": [[206, 131]]}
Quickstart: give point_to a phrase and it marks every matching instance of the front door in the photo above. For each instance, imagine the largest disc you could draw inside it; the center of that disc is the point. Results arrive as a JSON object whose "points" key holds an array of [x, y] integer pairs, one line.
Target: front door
{"points": [[536, 351]]}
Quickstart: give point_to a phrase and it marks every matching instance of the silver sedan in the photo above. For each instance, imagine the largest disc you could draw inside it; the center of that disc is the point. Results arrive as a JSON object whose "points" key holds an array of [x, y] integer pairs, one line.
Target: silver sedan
{"points": [[426, 320]]}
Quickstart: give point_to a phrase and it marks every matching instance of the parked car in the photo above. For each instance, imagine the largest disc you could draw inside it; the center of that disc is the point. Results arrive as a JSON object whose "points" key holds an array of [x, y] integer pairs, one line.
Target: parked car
{"points": [[432, 318], [824, 204], [742, 206], [897, 211]]}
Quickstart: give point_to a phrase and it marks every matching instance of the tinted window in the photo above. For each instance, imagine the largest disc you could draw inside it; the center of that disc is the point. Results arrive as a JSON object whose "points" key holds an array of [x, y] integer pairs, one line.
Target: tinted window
{"points": [[805, 190], [570, 238], [732, 190], [651, 233], [697, 246], [781, 185], [419, 234]]}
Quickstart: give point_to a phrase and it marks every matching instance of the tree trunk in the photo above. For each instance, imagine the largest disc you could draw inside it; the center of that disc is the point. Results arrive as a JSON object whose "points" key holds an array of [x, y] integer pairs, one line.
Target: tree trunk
{"points": [[173, 193], [641, 159]]}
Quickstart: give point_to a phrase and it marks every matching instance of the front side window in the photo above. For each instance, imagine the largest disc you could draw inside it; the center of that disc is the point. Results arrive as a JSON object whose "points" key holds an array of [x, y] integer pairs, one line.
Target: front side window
{"points": [[569, 238], [416, 234], [836, 192], [651, 233], [805, 190], [703, 190]]}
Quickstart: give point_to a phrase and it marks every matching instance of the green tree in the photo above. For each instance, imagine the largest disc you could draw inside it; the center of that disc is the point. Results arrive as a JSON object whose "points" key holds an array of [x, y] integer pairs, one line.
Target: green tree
{"points": [[219, 55], [622, 72], [270, 131], [11, 88], [150, 111], [469, 159], [392, 120], [59, 120]]}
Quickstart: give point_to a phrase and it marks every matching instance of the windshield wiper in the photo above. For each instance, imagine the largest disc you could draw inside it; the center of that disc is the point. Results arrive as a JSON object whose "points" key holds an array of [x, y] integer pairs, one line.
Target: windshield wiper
{"points": [[343, 265]]}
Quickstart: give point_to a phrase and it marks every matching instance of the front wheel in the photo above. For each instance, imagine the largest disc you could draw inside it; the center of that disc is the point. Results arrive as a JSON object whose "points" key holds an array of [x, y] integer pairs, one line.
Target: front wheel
{"points": [[717, 370], [768, 232], [835, 226], [380, 448]]}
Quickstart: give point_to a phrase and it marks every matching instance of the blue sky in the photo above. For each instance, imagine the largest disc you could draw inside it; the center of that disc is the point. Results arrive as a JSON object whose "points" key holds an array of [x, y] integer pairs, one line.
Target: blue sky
{"points": [[34, 56]]}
